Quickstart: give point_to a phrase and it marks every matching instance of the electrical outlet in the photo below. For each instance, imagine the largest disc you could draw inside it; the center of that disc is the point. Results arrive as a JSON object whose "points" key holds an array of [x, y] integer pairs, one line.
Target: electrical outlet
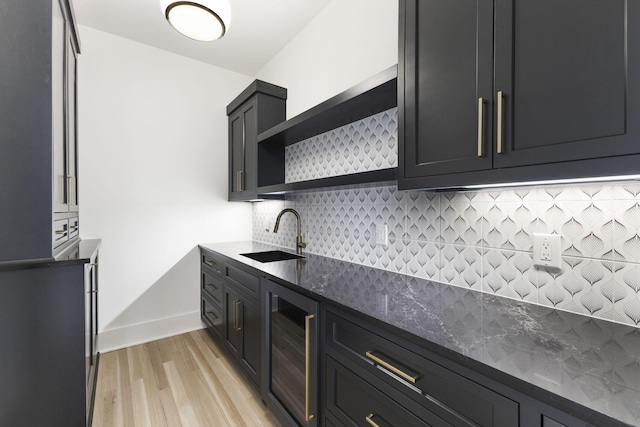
{"points": [[547, 250], [382, 234]]}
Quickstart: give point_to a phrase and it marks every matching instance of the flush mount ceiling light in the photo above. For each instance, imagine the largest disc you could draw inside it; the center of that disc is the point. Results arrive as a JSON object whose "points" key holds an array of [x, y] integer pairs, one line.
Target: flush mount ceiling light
{"points": [[203, 20]]}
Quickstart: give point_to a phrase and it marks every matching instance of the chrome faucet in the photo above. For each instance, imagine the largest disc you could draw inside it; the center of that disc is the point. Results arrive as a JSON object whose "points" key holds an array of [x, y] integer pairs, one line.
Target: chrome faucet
{"points": [[299, 242]]}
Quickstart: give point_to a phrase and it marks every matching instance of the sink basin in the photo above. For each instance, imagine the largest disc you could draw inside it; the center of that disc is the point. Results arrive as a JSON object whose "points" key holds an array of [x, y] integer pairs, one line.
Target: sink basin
{"points": [[270, 256]]}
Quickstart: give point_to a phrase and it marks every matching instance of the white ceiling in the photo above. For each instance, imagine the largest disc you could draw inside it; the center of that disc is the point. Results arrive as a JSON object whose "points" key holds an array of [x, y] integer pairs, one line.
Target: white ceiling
{"points": [[259, 29]]}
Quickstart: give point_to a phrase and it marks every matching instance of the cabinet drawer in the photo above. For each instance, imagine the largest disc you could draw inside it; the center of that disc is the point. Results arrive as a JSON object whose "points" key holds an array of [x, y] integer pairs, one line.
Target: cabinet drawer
{"points": [[211, 314], [441, 390], [355, 402], [212, 285], [247, 283], [60, 232], [213, 263]]}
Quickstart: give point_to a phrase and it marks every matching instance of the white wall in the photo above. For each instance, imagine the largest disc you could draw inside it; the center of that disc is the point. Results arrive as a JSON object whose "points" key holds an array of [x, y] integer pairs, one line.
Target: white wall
{"points": [[153, 181], [348, 42]]}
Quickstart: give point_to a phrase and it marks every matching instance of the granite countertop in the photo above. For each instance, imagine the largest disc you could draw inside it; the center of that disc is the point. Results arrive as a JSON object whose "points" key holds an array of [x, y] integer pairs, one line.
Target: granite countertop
{"points": [[591, 362], [80, 252]]}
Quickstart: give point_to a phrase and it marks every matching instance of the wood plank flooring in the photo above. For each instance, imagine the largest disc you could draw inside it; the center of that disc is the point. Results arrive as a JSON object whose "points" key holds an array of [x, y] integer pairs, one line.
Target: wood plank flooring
{"points": [[185, 380]]}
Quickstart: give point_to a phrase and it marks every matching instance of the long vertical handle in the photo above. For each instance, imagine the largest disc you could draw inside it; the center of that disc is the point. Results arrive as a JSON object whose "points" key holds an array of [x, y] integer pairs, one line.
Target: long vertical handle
{"points": [[239, 176], [499, 125], [481, 102], [237, 304], [307, 353]]}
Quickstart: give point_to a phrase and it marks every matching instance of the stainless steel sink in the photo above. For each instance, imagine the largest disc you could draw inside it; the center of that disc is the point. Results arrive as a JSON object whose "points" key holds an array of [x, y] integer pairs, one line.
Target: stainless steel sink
{"points": [[271, 256]]}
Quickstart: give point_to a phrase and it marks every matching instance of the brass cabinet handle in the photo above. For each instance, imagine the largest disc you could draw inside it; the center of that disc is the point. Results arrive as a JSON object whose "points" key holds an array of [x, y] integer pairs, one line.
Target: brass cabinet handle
{"points": [[481, 103], [215, 288], [369, 419], [307, 354], [238, 303], [212, 314], [499, 124], [411, 378], [210, 263], [61, 232], [239, 176]]}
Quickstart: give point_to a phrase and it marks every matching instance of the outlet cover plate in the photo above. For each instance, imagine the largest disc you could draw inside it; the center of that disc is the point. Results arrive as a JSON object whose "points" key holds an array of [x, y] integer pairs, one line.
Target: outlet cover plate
{"points": [[382, 234], [547, 251]]}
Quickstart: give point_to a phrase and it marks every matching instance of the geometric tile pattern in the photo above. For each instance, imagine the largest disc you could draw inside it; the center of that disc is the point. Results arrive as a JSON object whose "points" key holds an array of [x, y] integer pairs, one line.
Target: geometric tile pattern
{"points": [[364, 145], [482, 240]]}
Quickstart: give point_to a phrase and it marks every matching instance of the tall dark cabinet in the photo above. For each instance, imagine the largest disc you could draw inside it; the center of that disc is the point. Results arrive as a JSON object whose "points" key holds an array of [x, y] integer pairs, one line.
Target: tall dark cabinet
{"points": [[258, 108], [511, 90], [38, 137], [48, 276]]}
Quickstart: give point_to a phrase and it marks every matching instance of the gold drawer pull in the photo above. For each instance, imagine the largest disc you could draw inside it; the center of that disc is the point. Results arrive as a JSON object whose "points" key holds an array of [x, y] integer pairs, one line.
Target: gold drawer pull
{"points": [[369, 419], [411, 378], [238, 304], [481, 102], [308, 416], [500, 125], [212, 315]]}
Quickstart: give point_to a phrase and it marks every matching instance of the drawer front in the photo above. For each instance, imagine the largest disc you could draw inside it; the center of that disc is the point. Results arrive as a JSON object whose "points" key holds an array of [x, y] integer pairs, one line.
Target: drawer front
{"points": [[212, 285], [247, 283], [211, 314], [355, 402], [213, 263], [60, 232], [442, 391]]}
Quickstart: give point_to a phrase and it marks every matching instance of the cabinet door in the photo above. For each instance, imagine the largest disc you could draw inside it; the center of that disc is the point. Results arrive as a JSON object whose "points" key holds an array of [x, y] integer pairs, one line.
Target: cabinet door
{"points": [[58, 46], [445, 87], [569, 75], [242, 147], [232, 311], [71, 134], [250, 324]]}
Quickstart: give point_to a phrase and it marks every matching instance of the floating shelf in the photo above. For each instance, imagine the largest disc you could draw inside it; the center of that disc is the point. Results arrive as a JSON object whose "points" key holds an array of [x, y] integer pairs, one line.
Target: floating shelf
{"points": [[371, 177], [377, 94], [370, 97]]}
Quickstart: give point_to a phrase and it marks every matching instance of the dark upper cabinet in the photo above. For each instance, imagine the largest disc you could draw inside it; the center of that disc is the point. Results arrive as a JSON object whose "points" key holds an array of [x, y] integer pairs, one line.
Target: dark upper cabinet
{"points": [[38, 184], [258, 108], [448, 85], [503, 90]]}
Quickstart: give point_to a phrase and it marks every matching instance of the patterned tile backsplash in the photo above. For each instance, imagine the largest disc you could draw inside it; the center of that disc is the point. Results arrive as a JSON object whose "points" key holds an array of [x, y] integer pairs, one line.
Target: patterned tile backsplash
{"points": [[479, 240], [482, 240], [368, 144]]}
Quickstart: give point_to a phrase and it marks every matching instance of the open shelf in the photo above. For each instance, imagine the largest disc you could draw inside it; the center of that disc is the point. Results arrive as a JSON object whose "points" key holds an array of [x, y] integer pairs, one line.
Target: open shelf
{"points": [[377, 94], [376, 176], [374, 95]]}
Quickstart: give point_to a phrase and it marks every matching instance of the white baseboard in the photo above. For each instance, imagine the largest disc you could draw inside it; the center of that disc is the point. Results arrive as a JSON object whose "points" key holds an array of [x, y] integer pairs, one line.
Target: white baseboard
{"points": [[140, 333]]}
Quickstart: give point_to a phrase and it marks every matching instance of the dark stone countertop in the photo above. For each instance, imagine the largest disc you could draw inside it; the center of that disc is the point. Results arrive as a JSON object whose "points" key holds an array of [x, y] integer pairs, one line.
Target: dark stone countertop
{"points": [[587, 361], [81, 252]]}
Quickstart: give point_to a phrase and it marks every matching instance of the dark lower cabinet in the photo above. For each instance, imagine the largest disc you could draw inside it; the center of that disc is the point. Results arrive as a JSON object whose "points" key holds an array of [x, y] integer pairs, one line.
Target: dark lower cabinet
{"points": [[242, 331], [438, 395], [505, 91], [230, 308], [48, 330], [356, 402]]}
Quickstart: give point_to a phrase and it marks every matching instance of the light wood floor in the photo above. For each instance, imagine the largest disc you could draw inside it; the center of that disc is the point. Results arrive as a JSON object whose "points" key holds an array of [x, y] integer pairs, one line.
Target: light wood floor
{"points": [[185, 380]]}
